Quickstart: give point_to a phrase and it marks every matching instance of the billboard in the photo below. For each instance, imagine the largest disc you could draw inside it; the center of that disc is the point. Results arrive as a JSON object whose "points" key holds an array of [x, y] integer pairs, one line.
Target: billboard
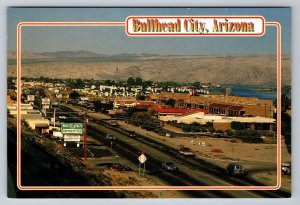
{"points": [[55, 105], [72, 138], [72, 128], [45, 101]]}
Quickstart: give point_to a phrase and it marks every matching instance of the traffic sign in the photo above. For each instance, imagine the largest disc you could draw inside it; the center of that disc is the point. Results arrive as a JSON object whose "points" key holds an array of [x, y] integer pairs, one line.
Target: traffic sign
{"points": [[71, 138], [142, 158], [72, 128]]}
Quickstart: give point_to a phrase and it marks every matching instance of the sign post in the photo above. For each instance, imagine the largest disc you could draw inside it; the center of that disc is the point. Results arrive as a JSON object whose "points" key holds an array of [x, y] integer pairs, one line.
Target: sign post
{"points": [[54, 106], [72, 132], [203, 145], [72, 128], [142, 159]]}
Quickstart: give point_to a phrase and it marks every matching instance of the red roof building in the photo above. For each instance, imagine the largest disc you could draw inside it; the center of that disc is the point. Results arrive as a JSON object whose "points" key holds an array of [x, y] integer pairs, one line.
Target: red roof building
{"points": [[176, 111]]}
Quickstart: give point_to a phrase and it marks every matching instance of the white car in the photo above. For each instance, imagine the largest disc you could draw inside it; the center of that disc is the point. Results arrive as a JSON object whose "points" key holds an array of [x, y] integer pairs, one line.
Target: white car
{"points": [[185, 151], [62, 117], [110, 137]]}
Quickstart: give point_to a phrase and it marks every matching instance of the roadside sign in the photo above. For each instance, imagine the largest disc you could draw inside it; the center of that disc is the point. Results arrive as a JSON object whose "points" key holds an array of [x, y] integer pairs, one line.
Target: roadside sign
{"points": [[45, 107], [45, 101], [57, 134], [72, 128], [142, 158], [72, 138], [55, 105]]}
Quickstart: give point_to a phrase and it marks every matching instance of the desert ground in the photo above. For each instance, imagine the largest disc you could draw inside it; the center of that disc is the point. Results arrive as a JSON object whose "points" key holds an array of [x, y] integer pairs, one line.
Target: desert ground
{"points": [[244, 70]]}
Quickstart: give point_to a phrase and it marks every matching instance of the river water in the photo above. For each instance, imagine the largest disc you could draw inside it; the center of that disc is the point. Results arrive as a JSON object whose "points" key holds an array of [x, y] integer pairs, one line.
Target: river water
{"points": [[251, 92]]}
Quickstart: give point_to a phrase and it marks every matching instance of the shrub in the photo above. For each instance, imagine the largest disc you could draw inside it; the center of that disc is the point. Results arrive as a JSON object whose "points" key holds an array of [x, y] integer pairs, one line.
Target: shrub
{"points": [[237, 125]]}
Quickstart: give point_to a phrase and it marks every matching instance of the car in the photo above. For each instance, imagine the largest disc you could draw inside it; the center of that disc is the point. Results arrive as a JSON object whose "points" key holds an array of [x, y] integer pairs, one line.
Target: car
{"points": [[286, 168], [235, 169], [132, 134], [185, 151], [110, 137], [170, 166], [62, 117]]}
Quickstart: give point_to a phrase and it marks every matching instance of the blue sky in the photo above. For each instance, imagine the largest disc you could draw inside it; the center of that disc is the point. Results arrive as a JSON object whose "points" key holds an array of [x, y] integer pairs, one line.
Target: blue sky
{"points": [[113, 40]]}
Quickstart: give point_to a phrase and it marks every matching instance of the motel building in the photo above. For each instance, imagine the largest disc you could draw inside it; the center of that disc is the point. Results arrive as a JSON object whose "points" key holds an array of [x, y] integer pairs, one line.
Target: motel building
{"points": [[220, 122], [225, 109]]}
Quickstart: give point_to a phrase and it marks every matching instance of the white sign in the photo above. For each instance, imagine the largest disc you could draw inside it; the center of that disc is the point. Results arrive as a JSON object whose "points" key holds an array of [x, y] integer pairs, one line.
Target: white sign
{"points": [[72, 138], [142, 158], [45, 107], [57, 134], [203, 144]]}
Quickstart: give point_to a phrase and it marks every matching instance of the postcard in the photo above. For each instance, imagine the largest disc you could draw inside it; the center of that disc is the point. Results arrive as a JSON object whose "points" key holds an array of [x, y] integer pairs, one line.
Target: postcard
{"points": [[149, 102]]}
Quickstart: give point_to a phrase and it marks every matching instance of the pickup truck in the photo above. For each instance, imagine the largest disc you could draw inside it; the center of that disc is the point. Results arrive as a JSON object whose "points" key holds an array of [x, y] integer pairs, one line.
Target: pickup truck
{"points": [[185, 151]]}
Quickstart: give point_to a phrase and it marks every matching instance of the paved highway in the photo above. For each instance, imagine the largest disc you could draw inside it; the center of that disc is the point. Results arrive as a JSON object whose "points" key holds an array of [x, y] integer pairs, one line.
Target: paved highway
{"points": [[192, 171]]}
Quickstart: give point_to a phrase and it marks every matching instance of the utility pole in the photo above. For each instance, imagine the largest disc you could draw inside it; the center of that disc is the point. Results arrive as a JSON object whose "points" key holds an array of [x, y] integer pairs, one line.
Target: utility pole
{"points": [[54, 116], [84, 137]]}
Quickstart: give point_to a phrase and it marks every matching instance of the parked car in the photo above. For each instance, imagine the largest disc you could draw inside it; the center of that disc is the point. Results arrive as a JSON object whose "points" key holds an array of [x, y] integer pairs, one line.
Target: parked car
{"points": [[185, 151], [170, 166], [62, 117], [110, 137], [234, 169], [286, 168]]}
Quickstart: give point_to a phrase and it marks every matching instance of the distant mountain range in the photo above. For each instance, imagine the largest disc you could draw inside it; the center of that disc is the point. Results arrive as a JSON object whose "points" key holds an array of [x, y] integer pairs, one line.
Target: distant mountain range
{"points": [[240, 70], [11, 54]]}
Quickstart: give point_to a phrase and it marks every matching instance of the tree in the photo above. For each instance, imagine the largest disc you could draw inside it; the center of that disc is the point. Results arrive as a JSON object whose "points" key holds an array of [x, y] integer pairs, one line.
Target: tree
{"points": [[138, 118], [237, 125], [130, 111], [97, 106], [147, 83], [138, 81], [140, 97], [196, 84], [130, 81], [171, 102], [74, 95]]}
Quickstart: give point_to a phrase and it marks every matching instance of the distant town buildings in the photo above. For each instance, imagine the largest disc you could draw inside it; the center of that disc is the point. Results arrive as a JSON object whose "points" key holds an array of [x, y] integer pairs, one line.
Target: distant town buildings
{"points": [[168, 103]]}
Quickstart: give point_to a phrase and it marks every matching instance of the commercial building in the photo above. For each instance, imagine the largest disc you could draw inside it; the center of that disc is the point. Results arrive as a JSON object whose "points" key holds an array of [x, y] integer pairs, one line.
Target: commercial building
{"points": [[39, 125], [217, 104], [219, 122], [123, 104]]}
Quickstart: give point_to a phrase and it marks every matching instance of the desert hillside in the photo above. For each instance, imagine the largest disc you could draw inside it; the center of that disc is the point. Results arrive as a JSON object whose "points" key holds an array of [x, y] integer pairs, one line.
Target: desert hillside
{"points": [[254, 70]]}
